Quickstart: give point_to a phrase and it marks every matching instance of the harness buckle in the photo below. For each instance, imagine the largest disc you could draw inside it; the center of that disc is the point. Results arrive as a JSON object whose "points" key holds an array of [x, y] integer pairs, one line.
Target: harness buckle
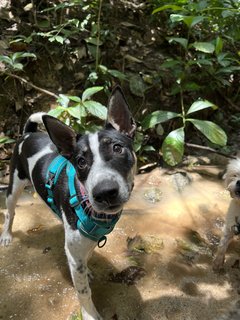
{"points": [[50, 181], [102, 241], [74, 201], [50, 200]]}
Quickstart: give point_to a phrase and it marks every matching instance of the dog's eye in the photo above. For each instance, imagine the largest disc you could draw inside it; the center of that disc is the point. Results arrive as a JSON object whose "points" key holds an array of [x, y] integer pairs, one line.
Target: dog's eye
{"points": [[117, 148], [82, 163]]}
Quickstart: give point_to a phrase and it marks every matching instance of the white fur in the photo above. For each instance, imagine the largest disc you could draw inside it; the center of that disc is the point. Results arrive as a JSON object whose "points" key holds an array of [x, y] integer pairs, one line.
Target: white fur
{"points": [[36, 117], [21, 144], [233, 213], [78, 250], [34, 159], [17, 188], [100, 171]]}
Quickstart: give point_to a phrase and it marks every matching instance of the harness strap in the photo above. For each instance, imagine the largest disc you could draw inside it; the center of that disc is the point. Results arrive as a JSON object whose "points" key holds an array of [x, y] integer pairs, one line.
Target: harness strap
{"points": [[88, 222], [52, 176]]}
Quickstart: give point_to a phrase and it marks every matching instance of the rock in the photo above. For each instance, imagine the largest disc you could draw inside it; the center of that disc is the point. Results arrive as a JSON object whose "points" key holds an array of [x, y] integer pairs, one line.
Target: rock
{"points": [[146, 244], [181, 180], [129, 275], [153, 195]]}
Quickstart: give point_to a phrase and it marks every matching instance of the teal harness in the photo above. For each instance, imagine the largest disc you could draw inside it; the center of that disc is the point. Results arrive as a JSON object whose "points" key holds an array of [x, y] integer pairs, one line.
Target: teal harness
{"points": [[91, 224]]}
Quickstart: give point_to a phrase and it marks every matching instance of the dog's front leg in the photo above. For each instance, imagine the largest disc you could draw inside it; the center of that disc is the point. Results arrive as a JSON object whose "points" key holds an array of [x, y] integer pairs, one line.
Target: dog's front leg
{"points": [[222, 248], [78, 249]]}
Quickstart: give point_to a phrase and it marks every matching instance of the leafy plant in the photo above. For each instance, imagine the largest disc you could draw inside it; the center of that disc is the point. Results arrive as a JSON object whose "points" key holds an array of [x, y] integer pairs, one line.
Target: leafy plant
{"points": [[12, 61], [77, 111], [203, 32], [6, 140], [173, 144]]}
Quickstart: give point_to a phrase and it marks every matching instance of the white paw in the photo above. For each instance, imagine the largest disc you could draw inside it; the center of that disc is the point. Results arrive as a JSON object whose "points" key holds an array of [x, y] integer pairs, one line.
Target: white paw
{"points": [[93, 316], [5, 239]]}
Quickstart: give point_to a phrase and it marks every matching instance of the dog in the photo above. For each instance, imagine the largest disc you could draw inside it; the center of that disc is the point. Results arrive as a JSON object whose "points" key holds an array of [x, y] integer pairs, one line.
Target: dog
{"points": [[103, 164], [232, 223]]}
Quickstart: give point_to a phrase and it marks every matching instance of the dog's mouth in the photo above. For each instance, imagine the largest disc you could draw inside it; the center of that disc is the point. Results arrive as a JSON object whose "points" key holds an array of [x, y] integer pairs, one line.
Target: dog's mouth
{"points": [[107, 209]]}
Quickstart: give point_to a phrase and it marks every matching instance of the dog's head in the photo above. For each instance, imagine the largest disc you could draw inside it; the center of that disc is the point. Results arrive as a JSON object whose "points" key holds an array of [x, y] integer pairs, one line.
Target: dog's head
{"points": [[104, 161], [232, 178]]}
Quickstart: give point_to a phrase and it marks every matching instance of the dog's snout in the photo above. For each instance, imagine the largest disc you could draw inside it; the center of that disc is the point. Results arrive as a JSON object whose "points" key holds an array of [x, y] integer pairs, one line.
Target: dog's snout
{"points": [[106, 192], [238, 183]]}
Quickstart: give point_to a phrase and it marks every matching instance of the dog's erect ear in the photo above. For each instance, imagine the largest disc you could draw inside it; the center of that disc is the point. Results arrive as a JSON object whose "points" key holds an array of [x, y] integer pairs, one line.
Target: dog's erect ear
{"points": [[61, 135], [119, 116]]}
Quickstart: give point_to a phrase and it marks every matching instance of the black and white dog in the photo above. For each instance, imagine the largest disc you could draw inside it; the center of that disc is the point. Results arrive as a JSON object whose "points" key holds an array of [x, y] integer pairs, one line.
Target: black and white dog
{"points": [[104, 162]]}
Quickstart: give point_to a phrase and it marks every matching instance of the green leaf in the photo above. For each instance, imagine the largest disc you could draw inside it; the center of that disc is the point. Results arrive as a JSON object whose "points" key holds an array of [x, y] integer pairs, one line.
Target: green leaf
{"points": [[117, 74], [157, 117], [176, 17], [20, 55], [56, 38], [191, 86], [56, 112], [148, 148], [94, 41], [17, 66], [218, 45], [191, 21], [138, 141], [59, 39], [137, 85], [182, 41], [201, 62], [6, 140], [173, 147], [170, 63], [167, 6], [90, 92], [200, 105], [206, 47], [6, 59], [63, 100], [77, 111], [74, 98], [210, 130], [96, 109]]}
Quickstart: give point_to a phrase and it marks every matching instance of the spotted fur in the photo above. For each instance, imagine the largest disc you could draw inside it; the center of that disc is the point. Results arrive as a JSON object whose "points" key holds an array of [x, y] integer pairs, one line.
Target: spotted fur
{"points": [[104, 162]]}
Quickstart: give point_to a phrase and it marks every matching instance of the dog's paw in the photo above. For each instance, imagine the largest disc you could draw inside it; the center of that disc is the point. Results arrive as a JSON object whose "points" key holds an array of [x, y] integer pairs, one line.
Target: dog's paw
{"points": [[5, 239], [90, 315]]}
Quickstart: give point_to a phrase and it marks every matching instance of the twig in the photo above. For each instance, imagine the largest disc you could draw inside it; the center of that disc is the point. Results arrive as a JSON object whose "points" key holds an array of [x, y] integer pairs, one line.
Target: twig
{"points": [[98, 33], [191, 145], [30, 84], [233, 105]]}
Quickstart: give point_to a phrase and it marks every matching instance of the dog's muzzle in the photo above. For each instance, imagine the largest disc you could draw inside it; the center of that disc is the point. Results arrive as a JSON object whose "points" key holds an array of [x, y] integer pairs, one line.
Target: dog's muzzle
{"points": [[106, 196]]}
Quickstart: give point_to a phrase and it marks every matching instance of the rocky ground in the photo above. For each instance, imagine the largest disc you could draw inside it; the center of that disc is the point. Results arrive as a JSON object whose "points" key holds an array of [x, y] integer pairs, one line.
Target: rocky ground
{"points": [[156, 265]]}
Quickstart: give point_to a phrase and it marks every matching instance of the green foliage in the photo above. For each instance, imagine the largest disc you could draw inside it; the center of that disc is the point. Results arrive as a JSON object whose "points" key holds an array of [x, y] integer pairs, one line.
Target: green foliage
{"points": [[79, 111], [12, 61], [204, 32], [173, 144], [193, 48], [6, 140], [201, 35]]}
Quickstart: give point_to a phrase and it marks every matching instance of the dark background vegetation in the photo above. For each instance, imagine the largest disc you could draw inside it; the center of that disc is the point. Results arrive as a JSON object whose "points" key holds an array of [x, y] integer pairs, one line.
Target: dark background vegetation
{"points": [[166, 56]]}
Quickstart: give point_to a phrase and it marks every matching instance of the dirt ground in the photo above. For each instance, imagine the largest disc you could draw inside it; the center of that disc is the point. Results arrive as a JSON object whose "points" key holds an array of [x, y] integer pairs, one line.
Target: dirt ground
{"points": [[156, 264]]}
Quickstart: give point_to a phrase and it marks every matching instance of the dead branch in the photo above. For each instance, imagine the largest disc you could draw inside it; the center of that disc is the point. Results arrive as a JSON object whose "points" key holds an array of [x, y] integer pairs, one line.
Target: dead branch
{"points": [[196, 146], [23, 80]]}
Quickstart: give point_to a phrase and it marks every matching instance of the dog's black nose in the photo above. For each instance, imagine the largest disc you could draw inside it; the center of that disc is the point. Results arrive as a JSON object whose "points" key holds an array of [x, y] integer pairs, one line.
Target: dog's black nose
{"points": [[106, 191], [238, 183]]}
